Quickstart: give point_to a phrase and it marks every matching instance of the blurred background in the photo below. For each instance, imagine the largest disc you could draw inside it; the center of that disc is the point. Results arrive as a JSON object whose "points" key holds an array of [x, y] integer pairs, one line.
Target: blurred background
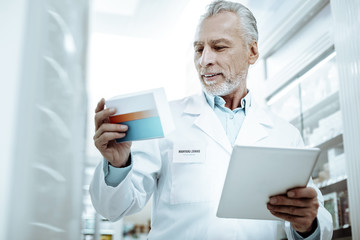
{"points": [[59, 58]]}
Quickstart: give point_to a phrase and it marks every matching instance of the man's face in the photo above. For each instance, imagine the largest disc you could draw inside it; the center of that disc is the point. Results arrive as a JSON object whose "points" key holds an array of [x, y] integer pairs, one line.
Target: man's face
{"points": [[222, 57]]}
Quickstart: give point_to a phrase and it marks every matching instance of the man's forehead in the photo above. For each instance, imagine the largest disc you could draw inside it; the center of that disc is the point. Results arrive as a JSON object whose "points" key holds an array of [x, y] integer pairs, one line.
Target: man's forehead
{"points": [[223, 25]]}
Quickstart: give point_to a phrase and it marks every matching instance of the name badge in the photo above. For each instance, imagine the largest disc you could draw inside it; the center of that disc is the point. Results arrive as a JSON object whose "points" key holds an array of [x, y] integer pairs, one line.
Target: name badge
{"points": [[192, 152]]}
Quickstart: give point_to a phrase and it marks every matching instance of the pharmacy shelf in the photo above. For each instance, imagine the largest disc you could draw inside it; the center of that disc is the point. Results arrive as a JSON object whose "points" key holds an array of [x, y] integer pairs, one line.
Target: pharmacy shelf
{"points": [[101, 232], [334, 186], [324, 108], [342, 233], [324, 146], [332, 142], [88, 231]]}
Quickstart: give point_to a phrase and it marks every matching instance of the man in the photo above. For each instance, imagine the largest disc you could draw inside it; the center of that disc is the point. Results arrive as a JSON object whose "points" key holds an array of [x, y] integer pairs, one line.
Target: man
{"points": [[186, 191]]}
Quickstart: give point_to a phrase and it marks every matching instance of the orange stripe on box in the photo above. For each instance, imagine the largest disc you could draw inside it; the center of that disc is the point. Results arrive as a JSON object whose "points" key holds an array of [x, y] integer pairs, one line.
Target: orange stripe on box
{"points": [[133, 116]]}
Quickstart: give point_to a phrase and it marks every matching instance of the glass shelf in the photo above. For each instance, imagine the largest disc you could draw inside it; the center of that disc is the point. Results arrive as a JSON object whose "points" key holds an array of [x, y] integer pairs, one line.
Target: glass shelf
{"points": [[312, 105], [330, 142], [323, 158], [325, 107], [308, 98]]}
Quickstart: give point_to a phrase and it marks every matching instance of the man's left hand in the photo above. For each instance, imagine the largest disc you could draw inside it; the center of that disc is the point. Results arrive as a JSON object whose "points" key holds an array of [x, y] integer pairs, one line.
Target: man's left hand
{"points": [[299, 206]]}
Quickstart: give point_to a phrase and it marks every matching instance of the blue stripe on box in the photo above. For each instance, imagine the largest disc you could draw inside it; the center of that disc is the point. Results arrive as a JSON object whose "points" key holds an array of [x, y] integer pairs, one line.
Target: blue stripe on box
{"points": [[141, 129]]}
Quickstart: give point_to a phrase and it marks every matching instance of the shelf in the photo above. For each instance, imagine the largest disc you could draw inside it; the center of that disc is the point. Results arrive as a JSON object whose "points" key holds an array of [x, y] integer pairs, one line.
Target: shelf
{"points": [[88, 231], [342, 233], [106, 232], [101, 232], [334, 187], [324, 146], [325, 107], [332, 142]]}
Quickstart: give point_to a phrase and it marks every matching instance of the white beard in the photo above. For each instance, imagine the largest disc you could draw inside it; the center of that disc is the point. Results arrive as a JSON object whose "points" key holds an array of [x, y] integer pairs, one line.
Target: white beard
{"points": [[224, 88]]}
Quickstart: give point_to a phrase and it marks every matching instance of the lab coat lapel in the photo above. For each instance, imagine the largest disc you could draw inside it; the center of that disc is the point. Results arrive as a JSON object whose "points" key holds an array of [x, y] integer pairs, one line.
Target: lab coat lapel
{"points": [[208, 122], [255, 127]]}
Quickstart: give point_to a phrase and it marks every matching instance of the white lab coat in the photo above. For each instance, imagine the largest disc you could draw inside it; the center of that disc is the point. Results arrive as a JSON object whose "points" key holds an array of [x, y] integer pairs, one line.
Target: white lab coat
{"points": [[186, 191]]}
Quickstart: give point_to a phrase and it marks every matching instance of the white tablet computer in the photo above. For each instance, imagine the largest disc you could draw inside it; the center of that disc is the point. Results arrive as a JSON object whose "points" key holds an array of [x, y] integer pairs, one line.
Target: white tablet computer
{"points": [[256, 173]]}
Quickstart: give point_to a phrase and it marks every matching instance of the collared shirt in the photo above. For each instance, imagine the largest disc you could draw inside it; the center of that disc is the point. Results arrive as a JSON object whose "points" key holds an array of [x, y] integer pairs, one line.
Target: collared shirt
{"points": [[231, 120]]}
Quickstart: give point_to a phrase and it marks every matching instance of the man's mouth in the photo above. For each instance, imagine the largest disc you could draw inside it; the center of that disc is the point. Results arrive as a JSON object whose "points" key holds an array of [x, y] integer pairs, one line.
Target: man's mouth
{"points": [[210, 78], [211, 75]]}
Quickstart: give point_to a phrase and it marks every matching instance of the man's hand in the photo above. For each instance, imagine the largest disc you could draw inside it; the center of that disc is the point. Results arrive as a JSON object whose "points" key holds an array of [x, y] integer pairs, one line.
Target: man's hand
{"points": [[116, 154], [299, 207]]}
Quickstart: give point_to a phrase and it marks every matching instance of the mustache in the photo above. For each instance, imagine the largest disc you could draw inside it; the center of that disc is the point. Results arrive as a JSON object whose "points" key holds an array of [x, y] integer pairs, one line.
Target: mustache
{"points": [[209, 71]]}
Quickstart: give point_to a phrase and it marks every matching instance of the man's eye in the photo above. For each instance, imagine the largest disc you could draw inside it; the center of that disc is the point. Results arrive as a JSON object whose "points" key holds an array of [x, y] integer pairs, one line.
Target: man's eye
{"points": [[198, 50], [219, 48]]}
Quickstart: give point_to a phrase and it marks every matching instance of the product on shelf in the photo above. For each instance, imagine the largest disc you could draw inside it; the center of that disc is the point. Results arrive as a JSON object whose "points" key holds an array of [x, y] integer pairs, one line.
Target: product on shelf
{"points": [[344, 211], [106, 237], [324, 175], [330, 203], [329, 127], [135, 231], [88, 237]]}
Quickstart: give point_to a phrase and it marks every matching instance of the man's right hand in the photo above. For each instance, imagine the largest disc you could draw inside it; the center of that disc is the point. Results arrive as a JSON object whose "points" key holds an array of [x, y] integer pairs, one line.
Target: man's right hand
{"points": [[117, 154]]}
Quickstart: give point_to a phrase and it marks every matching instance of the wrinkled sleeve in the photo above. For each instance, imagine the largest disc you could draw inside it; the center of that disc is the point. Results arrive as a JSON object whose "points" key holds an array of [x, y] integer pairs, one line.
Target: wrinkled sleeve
{"points": [[113, 175], [115, 194]]}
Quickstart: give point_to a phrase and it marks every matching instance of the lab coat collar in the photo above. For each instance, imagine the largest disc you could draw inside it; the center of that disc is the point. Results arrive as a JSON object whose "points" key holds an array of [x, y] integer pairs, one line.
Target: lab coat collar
{"points": [[207, 120], [195, 104], [254, 127]]}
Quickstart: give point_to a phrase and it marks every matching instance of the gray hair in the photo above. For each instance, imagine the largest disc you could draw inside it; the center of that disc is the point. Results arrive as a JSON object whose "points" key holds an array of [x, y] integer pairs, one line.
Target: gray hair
{"points": [[247, 19]]}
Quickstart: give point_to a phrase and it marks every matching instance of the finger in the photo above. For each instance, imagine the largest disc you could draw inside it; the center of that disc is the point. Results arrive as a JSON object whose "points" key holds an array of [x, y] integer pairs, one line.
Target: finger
{"points": [[103, 116], [290, 218], [110, 127], [290, 210], [304, 192], [285, 201], [102, 141], [300, 224], [100, 105]]}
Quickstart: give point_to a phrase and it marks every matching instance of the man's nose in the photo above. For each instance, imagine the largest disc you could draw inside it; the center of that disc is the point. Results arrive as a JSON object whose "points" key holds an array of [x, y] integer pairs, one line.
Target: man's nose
{"points": [[207, 57]]}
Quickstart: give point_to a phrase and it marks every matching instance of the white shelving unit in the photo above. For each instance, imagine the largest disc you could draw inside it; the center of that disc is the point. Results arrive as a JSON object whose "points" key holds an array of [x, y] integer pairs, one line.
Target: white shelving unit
{"points": [[305, 91], [46, 180]]}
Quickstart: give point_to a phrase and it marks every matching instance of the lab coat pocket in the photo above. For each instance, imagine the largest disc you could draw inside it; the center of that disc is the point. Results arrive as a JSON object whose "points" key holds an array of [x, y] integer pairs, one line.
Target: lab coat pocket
{"points": [[191, 175]]}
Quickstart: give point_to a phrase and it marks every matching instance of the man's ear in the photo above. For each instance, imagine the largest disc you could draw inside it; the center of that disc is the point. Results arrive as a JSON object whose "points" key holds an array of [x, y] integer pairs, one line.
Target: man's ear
{"points": [[253, 53]]}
